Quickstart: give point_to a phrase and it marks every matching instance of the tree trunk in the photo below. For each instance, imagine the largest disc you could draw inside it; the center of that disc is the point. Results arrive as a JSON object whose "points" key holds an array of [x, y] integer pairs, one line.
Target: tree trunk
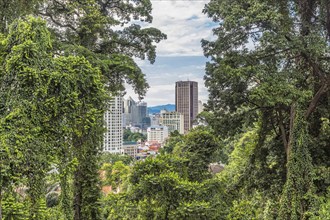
{"points": [[282, 130], [328, 19], [315, 100], [66, 198], [77, 195], [77, 200], [0, 204], [292, 119]]}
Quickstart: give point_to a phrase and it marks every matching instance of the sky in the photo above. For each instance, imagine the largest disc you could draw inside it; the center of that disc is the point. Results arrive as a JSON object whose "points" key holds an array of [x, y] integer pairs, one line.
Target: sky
{"points": [[180, 57]]}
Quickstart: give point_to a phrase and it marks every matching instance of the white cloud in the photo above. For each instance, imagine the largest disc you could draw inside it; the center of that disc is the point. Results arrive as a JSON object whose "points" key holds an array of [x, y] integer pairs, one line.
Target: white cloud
{"points": [[180, 57], [185, 26]]}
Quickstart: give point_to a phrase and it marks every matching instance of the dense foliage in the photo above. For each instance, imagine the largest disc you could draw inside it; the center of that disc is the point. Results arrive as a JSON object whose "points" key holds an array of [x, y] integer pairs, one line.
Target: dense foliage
{"points": [[56, 80], [133, 136], [172, 186], [269, 72], [268, 114]]}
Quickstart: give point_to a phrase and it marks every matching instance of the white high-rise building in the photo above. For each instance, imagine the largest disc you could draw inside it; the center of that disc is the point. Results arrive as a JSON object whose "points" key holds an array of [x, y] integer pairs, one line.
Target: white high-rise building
{"points": [[157, 133], [173, 120], [113, 137]]}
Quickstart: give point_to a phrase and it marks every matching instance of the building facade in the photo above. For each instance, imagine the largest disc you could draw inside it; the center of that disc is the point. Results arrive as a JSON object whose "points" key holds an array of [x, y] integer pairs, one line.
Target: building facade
{"points": [[130, 148], [141, 114], [130, 112], [113, 137], [174, 121], [157, 133], [135, 114], [154, 120], [186, 101]]}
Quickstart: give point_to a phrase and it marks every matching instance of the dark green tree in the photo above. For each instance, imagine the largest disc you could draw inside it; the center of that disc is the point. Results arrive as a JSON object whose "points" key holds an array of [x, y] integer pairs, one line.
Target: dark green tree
{"points": [[92, 34], [86, 28], [12, 10], [73, 122], [52, 112], [174, 139], [24, 71], [299, 188], [160, 189], [198, 146], [133, 136], [269, 62], [89, 99], [107, 157], [116, 175]]}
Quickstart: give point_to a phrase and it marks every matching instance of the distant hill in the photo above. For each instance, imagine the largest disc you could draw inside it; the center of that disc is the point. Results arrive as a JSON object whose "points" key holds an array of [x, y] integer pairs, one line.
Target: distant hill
{"points": [[156, 109]]}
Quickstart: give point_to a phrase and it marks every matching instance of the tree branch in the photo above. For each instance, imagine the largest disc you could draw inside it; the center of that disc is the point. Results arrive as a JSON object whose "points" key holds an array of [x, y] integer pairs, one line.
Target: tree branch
{"points": [[312, 105], [282, 130], [292, 118], [56, 22]]}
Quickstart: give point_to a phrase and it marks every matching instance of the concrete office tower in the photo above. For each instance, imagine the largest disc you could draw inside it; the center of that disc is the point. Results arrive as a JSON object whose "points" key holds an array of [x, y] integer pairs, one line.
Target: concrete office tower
{"points": [[157, 133], [173, 120], [113, 137], [186, 101], [141, 113]]}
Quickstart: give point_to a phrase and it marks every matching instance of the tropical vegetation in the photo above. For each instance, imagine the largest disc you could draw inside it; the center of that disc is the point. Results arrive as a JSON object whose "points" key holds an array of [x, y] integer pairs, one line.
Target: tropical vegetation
{"points": [[268, 118]]}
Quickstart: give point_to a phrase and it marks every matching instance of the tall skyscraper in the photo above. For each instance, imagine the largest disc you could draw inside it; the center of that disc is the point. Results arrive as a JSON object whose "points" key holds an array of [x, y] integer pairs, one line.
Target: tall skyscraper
{"points": [[130, 112], [186, 101], [135, 113], [141, 113], [113, 137]]}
